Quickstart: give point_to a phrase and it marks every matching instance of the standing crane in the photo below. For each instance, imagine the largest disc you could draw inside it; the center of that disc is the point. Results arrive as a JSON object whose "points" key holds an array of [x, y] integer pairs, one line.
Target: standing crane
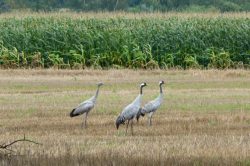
{"points": [[151, 107], [86, 106], [130, 111]]}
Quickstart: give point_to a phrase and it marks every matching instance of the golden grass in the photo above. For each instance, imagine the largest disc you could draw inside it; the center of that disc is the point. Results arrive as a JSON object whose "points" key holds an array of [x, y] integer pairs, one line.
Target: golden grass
{"points": [[204, 119]]}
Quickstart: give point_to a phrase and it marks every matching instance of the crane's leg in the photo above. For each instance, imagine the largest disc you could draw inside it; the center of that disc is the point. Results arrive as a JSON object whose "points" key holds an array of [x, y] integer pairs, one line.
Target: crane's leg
{"points": [[150, 118], [127, 127], [84, 123], [132, 127], [150, 121]]}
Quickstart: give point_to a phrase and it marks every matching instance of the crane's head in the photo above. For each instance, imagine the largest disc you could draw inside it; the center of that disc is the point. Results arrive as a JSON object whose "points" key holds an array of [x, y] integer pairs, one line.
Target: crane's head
{"points": [[119, 120], [161, 82], [100, 84], [143, 84]]}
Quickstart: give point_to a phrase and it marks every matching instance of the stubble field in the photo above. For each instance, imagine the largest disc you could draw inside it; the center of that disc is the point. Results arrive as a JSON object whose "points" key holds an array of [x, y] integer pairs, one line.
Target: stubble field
{"points": [[204, 118]]}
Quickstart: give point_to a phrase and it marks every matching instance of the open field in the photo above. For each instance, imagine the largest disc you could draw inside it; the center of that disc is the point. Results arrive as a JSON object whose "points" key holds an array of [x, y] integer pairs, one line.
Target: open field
{"points": [[204, 119]]}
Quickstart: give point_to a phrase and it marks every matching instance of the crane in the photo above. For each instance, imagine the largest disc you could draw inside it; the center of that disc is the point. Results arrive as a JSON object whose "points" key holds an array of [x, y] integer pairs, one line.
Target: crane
{"points": [[151, 107], [86, 106], [130, 111]]}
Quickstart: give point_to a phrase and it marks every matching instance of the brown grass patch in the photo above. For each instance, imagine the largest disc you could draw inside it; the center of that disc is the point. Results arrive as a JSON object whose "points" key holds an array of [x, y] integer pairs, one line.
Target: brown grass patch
{"points": [[204, 119]]}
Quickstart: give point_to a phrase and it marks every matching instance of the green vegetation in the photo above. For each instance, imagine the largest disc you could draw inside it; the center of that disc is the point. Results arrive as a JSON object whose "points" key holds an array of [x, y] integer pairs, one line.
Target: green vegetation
{"points": [[128, 5], [123, 42]]}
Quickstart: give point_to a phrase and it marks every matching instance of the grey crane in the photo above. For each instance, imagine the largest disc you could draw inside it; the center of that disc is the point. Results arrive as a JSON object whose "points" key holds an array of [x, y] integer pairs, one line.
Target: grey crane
{"points": [[130, 111], [86, 106], [151, 107]]}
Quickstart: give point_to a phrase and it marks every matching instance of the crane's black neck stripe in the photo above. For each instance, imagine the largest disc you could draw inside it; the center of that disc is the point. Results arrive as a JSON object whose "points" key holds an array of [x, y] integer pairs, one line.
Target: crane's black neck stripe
{"points": [[141, 90], [160, 88]]}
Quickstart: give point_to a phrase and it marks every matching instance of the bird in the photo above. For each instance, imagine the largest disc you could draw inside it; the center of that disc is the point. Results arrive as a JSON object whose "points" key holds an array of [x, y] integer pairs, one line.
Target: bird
{"points": [[86, 106], [151, 107], [130, 111]]}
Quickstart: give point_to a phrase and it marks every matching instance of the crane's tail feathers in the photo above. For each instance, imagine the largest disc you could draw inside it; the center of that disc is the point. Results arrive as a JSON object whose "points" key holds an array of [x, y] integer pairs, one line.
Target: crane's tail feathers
{"points": [[139, 114], [72, 113]]}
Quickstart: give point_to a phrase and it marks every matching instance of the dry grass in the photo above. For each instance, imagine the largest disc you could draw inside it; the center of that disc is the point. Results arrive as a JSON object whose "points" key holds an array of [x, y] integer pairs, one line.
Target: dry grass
{"points": [[204, 119]]}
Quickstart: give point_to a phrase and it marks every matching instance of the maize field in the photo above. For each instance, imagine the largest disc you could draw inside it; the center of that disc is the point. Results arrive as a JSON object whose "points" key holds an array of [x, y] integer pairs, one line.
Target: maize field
{"points": [[75, 41]]}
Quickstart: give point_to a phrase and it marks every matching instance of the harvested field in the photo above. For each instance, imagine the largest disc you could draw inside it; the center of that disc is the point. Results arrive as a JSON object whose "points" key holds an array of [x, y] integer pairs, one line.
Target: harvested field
{"points": [[204, 119]]}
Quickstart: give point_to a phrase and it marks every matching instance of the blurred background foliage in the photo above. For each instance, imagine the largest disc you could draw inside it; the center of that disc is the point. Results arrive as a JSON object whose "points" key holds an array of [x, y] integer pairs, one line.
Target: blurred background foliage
{"points": [[128, 5]]}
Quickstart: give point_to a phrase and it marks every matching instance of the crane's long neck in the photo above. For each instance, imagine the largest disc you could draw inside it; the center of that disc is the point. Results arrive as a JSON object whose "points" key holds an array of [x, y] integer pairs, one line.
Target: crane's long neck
{"points": [[160, 88], [137, 100], [96, 94], [141, 90], [160, 97]]}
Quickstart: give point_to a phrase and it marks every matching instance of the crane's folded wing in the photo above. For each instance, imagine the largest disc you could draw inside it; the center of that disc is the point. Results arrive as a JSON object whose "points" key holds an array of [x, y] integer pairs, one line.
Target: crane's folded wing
{"points": [[130, 111], [82, 108]]}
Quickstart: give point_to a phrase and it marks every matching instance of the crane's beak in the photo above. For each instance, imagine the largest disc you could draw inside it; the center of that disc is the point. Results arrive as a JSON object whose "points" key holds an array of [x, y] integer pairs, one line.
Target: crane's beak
{"points": [[117, 123], [117, 126]]}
